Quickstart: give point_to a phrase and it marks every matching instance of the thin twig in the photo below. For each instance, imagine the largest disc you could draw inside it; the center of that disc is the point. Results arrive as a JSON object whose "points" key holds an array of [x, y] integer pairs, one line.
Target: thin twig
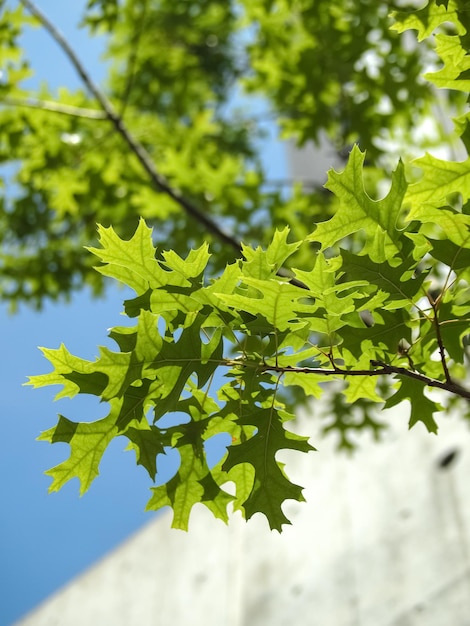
{"points": [[55, 107], [382, 369], [136, 147], [435, 306]]}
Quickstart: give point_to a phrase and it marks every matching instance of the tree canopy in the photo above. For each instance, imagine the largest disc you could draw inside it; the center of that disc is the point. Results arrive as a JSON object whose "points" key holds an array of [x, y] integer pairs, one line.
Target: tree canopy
{"points": [[247, 297]]}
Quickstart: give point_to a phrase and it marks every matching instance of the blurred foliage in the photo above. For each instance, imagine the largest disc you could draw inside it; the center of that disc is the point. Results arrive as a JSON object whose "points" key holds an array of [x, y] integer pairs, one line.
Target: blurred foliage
{"points": [[187, 78]]}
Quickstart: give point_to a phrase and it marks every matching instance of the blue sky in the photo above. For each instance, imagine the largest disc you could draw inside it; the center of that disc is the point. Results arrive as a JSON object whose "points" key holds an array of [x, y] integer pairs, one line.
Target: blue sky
{"points": [[45, 540]]}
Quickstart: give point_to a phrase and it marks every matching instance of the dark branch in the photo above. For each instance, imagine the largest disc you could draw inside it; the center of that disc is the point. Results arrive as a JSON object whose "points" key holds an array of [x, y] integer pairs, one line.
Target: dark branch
{"points": [[159, 181], [137, 148], [430, 382], [382, 369]]}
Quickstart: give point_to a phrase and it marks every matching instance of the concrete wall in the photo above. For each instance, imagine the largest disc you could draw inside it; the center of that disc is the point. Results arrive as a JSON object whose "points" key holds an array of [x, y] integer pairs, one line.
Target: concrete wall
{"points": [[383, 540]]}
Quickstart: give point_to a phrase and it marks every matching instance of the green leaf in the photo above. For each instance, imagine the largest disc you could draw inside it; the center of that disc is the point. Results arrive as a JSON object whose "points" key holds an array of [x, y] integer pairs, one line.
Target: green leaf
{"points": [[456, 64], [87, 442], [427, 19], [148, 442], [274, 300], [422, 408], [311, 385], [454, 322], [271, 486], [64, 363], [402, 286], [450, 254], [213, 351], [193, 481], [381, 339], [191, 267], [359, 387], [178, 360], [169, 359], [330, 300], [264, 264], [440, 180], [93, 383], [131, 262], [358, 212], [183, 491]]}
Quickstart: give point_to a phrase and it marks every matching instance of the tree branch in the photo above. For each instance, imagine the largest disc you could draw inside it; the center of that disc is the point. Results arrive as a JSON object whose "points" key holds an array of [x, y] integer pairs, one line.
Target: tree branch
{"points": [[383, 369], [159, 181], [430, 382], [55, 107], [136, 147]]}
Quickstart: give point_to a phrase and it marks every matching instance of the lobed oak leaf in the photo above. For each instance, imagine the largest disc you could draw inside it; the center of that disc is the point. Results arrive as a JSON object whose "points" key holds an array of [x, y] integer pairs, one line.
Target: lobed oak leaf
{"points": [[440, 179], [427, 19], [271, 487], [131, 262], [358, 212], [274, 300], [422, 408], [191, 485], [148, 441], [88, 442]]}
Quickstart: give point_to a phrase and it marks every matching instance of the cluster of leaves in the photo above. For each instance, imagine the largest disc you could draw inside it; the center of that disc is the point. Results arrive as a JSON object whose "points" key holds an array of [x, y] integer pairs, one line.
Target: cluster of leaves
{"points": [[264, 331], [173, 67], [382, 309], [369, 79]]}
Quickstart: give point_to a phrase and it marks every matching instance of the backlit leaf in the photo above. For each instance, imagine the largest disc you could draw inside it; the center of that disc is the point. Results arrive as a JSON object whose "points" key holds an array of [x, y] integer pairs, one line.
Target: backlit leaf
{"points": [[378, 219]]}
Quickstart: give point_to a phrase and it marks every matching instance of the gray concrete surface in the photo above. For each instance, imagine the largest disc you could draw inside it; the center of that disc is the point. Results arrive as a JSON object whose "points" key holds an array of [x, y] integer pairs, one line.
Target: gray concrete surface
{"points": [[383, 540]]}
